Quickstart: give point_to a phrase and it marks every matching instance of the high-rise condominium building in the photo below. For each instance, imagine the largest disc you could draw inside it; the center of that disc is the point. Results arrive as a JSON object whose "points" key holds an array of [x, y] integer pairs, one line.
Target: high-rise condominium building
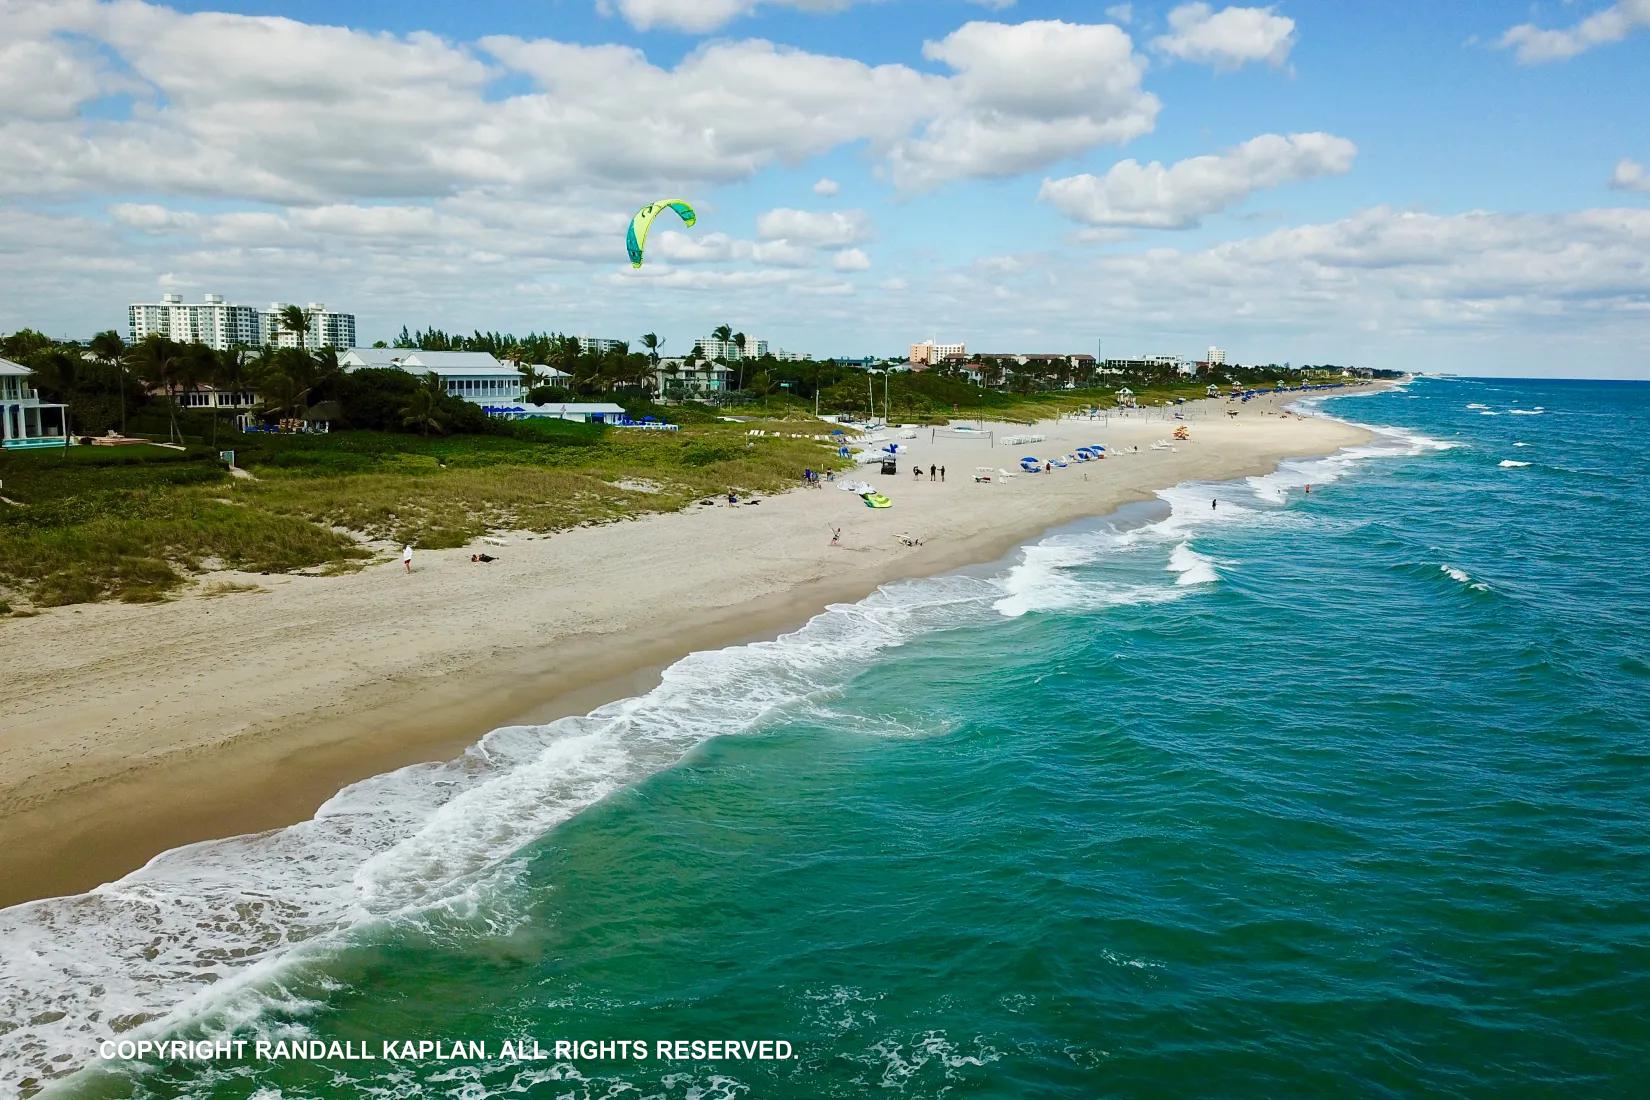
{"points": [[710, 348], [930, 353], [222, 325], [327, 328], [213, 322], [1217, 356]]}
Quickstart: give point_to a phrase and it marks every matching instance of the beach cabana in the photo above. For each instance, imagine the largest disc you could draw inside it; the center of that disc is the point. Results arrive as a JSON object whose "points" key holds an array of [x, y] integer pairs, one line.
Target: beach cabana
{"points": [[1031, 464]]}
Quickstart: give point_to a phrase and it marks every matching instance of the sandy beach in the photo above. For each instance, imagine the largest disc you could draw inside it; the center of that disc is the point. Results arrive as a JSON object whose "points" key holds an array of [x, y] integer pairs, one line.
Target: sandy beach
{"points": [[128, 730]]}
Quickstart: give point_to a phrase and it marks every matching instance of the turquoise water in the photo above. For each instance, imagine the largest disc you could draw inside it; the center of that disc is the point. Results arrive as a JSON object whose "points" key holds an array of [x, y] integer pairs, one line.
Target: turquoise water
{"points": [[1334, 794]]}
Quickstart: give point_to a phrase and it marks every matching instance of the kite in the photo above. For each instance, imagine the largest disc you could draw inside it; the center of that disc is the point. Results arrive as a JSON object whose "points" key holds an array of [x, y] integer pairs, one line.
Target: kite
{"points": [[636, 235]]}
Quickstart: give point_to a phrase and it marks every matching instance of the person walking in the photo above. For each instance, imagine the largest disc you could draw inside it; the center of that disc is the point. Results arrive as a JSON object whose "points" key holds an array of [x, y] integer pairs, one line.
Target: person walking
{"points": [[406, 557]]}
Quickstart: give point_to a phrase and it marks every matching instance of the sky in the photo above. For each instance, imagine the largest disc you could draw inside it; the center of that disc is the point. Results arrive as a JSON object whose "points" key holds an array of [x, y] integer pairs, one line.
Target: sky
{"points": [[1443, 187]]}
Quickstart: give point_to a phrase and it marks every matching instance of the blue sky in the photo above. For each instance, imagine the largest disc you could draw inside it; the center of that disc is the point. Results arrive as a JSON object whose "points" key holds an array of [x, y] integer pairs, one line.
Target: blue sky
{"points": [[1425, 186]]}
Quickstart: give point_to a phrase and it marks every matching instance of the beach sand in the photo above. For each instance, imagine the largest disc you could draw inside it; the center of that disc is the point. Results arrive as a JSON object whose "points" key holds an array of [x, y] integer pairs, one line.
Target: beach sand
{"points": [[128, 730]]}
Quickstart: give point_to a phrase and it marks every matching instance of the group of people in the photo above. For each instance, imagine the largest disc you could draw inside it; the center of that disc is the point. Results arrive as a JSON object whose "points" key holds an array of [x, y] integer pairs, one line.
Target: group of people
{"points": [[935, 473]]}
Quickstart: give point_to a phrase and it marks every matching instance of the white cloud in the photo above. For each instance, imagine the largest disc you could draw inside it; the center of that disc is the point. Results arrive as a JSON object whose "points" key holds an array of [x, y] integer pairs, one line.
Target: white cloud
{"points": [[701, 16], [1175, 197], [45, 78], [1024, 96], [1227, 39], [822, 229], [827, 188], [1629, 176], [852, 259], [1122, 13], [279, 111], [1535, 45]]}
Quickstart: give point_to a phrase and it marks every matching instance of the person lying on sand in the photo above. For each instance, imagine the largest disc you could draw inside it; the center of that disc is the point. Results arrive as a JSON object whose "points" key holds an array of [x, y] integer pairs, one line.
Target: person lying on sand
{"points": [[482, 557]]}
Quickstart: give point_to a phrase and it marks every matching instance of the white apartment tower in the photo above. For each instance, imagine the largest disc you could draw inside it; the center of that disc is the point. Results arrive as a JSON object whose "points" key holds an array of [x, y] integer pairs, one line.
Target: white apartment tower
{"points": [[213, 322], [1217, 356], [222, 325], [711, 349], [327, 328], [598, 344]]}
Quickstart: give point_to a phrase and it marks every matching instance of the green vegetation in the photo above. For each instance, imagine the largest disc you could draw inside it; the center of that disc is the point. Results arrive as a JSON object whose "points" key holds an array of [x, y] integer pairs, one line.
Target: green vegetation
{"points": [[134, 522], [415, 464]]}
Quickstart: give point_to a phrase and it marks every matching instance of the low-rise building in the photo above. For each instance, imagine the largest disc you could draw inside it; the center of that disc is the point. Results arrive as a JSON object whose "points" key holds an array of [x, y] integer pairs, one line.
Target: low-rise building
{"points": [[674, 377], [206, 396], [475, 376], [586, 412], [599, 345], [25, 420]]}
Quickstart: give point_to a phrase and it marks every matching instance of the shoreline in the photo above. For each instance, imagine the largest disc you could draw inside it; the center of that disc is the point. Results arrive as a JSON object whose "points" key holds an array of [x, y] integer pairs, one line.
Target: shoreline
{"points": [[373, 691]]}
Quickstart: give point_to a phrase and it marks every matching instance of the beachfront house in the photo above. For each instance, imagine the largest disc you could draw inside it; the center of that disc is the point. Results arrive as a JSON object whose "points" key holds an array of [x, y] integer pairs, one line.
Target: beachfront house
{"points": [[475, 376], [25, 420], [205, 396]]}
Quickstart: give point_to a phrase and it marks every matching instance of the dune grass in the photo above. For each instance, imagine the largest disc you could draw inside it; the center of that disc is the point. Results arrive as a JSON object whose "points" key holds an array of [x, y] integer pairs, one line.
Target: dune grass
{"points": [[135, 523]]}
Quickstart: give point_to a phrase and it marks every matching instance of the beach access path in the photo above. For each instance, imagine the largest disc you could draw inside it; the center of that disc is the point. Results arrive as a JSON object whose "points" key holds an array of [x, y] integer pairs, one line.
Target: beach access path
{"points": [[127, 730]]}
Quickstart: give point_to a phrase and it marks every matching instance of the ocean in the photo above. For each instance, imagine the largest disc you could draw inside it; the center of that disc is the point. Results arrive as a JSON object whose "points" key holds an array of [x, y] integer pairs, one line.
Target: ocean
{"points": [[1305, 794]]}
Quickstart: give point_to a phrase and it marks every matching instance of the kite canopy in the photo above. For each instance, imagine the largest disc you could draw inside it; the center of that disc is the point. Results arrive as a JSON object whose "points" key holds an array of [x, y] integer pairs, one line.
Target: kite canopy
{"points": [[636, 236]]}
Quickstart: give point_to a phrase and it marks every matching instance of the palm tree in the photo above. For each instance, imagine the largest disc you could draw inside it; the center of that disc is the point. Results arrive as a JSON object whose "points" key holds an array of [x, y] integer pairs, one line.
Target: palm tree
{"points": [[294, 320], [651, 341], [154, 362], [107, 348], [423, 408], [739, 342]]}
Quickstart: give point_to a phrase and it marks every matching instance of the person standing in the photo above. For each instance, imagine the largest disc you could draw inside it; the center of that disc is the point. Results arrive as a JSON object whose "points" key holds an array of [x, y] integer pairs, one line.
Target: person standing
{"points": [[942, 475], [406, 557], [931, 470]]}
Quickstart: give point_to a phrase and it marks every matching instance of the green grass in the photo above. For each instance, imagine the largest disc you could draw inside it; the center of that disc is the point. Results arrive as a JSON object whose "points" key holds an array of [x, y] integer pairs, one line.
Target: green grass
{"points": [[134, 523]]}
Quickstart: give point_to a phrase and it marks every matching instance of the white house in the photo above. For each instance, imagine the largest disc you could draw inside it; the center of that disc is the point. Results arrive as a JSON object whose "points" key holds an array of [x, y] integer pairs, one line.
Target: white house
{"points": [[24, 418], [586, 412], [476, 376]]}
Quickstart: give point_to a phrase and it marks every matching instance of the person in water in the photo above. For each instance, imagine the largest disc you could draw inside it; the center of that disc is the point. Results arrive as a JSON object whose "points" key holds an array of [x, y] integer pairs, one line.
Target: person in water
{"points": [[1213, 504]]}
